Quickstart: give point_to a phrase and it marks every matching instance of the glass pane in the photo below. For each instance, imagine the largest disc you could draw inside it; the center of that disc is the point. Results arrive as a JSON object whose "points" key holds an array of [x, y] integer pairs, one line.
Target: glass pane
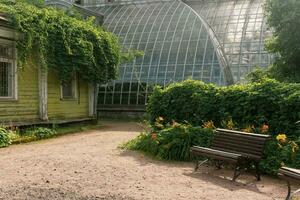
{"points": [[68, 90], [5, 79]]}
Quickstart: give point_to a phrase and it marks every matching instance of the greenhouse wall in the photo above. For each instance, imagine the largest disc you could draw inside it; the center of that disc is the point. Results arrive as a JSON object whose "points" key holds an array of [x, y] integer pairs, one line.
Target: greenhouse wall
{"points": [[215, 41]]}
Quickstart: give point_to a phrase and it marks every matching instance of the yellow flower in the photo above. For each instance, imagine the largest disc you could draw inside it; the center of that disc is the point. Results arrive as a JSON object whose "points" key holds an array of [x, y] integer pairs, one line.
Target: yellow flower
{"points": [[249, 129], [230, 124], [294, 146], [281, 138], [209, 125]]}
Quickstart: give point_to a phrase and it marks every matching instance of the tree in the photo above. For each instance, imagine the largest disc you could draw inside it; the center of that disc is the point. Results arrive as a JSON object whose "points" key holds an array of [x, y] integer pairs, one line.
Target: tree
{"points": [[284, 19]]}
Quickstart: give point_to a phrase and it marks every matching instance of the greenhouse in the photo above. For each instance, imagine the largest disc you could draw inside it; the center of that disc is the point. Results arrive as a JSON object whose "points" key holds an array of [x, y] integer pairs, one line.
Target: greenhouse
{"points": [[213, 41]]}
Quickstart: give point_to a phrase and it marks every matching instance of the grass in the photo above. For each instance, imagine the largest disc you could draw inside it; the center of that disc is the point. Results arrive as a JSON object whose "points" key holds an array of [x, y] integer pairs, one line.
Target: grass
{"points": [[27, 135]]}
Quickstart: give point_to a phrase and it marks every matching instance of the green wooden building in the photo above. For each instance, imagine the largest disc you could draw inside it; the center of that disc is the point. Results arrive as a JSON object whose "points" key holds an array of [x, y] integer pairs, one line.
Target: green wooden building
{"points": [[31, 95]]}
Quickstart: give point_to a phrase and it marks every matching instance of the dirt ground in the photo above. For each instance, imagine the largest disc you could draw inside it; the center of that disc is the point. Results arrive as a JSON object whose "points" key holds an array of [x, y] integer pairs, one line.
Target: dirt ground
{"points": [[90, 166]]}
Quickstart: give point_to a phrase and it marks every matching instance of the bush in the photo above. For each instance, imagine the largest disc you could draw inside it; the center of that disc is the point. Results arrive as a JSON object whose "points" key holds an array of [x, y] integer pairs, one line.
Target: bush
{"points": [[264, 106], [4, 138], [265, 102], [190, 100], [43, 133], [173, 142]]}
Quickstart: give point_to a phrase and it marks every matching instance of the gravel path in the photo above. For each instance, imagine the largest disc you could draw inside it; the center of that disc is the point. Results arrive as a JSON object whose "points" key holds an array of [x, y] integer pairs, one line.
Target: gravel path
{"points": [[88, 166]]}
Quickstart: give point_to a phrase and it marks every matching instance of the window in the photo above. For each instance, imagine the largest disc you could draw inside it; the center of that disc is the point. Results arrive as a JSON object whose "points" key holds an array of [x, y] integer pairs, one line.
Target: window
{"points": [[69, 89], [7, 72], [5, 79]]}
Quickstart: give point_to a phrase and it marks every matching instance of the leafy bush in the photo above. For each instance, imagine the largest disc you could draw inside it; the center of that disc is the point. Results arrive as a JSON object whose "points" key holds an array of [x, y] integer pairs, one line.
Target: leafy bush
{"points": [[281, 151], [265, 102], [173, 142], [190, 100], [4, 138], [62, 43], [43, 133]]}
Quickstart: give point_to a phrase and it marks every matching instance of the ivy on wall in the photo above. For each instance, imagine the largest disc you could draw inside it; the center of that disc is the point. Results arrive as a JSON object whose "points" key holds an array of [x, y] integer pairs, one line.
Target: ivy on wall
{"points": [[63, 43]]}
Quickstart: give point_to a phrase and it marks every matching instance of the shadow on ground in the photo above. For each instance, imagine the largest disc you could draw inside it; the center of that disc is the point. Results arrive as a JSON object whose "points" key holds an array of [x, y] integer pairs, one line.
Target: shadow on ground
{"points": [[208, 174]]}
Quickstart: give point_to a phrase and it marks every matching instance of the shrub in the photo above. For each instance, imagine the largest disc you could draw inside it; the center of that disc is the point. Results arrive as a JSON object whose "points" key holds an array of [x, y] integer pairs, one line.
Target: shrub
{"points": [[280, 151], [190, 100], [265, 102], [173, 142], [4, 138], [42, 133]]}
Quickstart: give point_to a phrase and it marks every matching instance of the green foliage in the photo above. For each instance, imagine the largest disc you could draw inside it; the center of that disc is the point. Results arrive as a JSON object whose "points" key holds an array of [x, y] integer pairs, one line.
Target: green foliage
{"points": [[257, 75], [283, 18], [43, 133], [130, 55], [264, 106], [173, 142], [4, 138], [64, 44], [143, 142], [190, 100], [279, 154], [265, 102], [38, 3], [272, 161]]}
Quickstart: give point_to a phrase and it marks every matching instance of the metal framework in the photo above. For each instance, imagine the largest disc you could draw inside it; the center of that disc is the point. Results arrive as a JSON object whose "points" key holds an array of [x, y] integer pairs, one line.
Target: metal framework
{"points": [[215, 41]]}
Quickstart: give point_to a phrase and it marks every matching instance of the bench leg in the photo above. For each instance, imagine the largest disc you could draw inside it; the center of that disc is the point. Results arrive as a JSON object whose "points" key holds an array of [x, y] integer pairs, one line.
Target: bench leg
{"points": [[237, 172], [198, 164], [219, 165], [257, 172], [288, 196], [294, 193]]}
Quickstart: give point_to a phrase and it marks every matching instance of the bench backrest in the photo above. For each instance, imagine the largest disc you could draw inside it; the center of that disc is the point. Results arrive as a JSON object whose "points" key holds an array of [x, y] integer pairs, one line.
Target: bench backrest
{"points": [[247, 144]]}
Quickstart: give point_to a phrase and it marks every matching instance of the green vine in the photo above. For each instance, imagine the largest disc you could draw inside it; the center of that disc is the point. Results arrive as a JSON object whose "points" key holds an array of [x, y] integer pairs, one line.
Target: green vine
{"points": [[63, 43]]}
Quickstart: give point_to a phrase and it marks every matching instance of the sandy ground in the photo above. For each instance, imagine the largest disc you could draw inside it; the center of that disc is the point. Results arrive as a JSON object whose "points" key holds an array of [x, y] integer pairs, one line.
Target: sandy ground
{"points": [[89, 165]]}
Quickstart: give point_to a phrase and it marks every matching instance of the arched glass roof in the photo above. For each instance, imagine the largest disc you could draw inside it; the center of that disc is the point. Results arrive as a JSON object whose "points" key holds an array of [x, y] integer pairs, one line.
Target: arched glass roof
{"points": [[241, 29], [176, 43], [216, 41]]}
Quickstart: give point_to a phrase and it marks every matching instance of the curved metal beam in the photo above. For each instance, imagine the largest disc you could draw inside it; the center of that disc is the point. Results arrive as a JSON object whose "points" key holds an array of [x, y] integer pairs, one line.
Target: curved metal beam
{"points": [[218, 48]]}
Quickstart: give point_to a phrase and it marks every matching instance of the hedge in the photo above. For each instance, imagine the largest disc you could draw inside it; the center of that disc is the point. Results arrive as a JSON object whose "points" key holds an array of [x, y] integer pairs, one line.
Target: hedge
{"points": [[267, 102]]}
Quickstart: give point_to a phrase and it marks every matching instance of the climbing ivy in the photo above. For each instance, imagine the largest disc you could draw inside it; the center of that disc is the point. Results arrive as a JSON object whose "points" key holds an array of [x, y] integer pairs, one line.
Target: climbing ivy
{"points": [[63, 43]]}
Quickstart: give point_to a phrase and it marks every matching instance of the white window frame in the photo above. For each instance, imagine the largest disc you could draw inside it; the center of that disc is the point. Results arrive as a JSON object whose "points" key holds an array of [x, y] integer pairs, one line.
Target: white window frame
{"points": [[74, 87], [14, 78]]}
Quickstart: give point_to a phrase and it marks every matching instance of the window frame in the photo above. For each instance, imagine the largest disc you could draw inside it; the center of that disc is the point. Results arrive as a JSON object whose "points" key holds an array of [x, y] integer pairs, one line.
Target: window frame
{"points": [[74, 88], [13, 63]]}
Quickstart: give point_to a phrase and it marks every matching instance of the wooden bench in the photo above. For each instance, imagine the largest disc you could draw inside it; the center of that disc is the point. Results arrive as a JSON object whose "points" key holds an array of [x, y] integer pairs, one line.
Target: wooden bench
{"points": [[289, 174], [234, 147]]}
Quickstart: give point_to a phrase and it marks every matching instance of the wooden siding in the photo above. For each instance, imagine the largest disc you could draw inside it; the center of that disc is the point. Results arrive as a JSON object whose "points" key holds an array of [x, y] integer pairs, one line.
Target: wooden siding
{"points": [[26, 107], [66, 109]]}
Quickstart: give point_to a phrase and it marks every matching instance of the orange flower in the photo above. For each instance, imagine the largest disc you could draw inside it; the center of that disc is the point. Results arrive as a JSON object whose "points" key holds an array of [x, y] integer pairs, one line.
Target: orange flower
{"points": [[154, 136], [264, 128]]}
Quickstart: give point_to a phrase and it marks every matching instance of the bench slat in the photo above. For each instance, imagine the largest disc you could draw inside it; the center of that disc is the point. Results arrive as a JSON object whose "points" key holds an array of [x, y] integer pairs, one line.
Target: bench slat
{"points": [[241, 137], [217, 154], [243, 133], [232, 147], [234, 138], [290, 172]]}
